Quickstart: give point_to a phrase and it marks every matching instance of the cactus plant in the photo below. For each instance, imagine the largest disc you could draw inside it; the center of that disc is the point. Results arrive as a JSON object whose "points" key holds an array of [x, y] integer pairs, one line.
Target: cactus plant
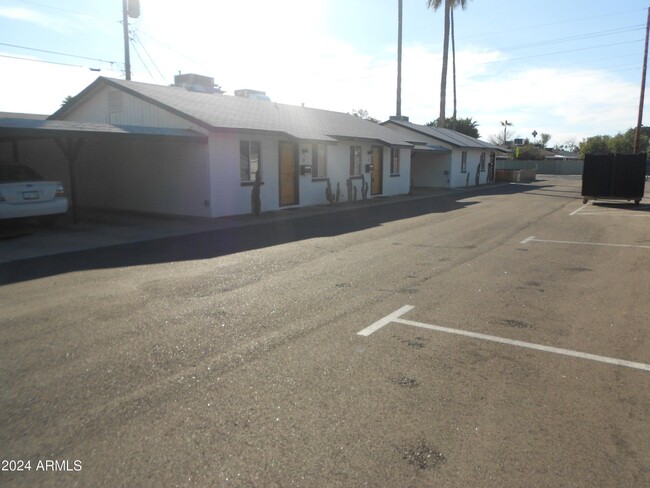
{"points": [[331, 197], [364, 188], [328, 193], [256, 200], [350, 186]]}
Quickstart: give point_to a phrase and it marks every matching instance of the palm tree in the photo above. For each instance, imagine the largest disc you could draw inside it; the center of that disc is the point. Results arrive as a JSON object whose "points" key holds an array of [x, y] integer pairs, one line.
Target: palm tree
{"points": [[449, 26], [398, 110], [505, 125], [435, 4]]}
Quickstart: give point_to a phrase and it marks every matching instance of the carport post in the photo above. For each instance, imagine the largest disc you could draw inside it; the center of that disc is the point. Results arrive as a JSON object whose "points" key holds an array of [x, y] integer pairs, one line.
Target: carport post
{"points": [[15, 153], [70, 149]]}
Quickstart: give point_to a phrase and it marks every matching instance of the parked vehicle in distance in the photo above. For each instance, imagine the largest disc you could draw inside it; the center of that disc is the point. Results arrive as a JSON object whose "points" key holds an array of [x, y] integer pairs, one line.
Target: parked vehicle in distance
{"points": [[24, 194]]}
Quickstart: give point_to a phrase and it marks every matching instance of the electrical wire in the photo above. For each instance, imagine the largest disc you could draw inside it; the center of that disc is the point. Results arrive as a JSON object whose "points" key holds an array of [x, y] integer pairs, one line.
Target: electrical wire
{"points": [[48, 62], [523, 58], [58, 53], [175, 51], [136, 39], [141, 60], [590, 35], [560, 22]]}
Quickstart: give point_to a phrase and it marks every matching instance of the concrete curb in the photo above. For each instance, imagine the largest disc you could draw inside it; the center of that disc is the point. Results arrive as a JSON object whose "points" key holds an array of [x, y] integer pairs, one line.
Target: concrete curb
{"points": [[102, 231]]}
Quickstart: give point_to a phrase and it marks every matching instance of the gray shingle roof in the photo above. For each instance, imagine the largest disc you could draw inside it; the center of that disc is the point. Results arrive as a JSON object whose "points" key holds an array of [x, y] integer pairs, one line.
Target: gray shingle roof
{"points": [[229, 112], [21, 115], [446, 135], [25, 127]]}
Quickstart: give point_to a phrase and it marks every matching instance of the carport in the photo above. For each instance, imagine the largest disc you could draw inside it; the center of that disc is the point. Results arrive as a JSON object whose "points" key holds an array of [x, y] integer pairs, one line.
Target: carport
{"points": [[431, 166], [117, 167]]}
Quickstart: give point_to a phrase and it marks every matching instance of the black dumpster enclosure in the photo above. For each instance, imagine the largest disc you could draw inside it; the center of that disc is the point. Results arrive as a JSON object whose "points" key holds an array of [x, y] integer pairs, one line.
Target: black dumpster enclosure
{"points": [[614, 177]]}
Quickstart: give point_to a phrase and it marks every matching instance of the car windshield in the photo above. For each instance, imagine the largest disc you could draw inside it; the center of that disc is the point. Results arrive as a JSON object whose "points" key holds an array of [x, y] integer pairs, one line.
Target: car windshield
{"points": [[17, 172]]}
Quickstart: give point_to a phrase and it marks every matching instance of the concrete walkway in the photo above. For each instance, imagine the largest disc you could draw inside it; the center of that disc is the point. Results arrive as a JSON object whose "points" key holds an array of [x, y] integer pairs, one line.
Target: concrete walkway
{"points": [[95, 230]]}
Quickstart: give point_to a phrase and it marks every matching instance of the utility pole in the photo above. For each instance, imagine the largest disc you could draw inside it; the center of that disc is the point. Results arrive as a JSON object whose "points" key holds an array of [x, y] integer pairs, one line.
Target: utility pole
{"points": [[398, 111], [130, 8], [125, 24], [505, 125], [637, 134]]}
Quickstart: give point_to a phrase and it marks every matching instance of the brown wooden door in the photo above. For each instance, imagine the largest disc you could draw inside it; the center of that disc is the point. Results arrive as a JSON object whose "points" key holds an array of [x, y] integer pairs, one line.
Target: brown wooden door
{"points": [[288, 174], [376, 179]]}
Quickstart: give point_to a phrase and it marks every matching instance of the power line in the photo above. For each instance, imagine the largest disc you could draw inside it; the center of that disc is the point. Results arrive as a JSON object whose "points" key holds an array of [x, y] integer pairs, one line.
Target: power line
{"points": [[560, 22], [48, 62], [58, 53], [135, 48], [591, 35], [524, 58], [137, 40], [175, 51]]}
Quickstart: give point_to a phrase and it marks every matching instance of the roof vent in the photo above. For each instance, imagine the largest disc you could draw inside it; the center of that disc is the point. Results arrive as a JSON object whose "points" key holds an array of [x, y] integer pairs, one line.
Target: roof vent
{"points": [[254, 94], [399, 118], [196, 83]]}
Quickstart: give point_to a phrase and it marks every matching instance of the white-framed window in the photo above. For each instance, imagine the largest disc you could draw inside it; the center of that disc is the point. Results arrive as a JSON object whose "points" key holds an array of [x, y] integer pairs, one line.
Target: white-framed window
{"points": [[463, 162], [394, 160], [483, 161], [355, 160], [250, 158], [318, 161]]}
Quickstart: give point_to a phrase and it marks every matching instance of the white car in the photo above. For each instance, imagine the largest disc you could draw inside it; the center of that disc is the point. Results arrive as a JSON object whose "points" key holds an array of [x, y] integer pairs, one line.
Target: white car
{"points": [[24, 193]]}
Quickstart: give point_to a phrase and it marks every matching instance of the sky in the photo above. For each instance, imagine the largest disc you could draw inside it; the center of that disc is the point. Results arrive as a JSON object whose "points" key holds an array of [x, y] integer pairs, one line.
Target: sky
{"points": [[568, 68]]}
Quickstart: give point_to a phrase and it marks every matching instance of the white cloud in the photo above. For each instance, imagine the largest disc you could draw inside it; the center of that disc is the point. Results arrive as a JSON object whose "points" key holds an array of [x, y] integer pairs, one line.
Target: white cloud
{"points": [[34, 87], [54, 23], [569, 104]]}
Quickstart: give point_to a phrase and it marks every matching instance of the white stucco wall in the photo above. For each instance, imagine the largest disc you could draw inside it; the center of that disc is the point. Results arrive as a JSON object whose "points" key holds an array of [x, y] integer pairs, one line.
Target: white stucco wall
{"points": [[459, 178], [230, 197]]}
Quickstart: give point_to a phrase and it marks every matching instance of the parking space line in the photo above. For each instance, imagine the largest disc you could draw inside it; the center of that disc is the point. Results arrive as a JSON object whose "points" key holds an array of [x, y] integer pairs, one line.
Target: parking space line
{"points": [[578, 210], [534, 239], [619, 214], [395, 317], [386, 320]]}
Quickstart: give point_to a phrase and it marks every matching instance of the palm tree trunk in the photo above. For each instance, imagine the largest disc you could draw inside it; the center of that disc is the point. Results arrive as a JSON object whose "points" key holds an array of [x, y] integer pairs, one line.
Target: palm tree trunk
{"points": [[445, 58], [398, 110], [453, 64]]}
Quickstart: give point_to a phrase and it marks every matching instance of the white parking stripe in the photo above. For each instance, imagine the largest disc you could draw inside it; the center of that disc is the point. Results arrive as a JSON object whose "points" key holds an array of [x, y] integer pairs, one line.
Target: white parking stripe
{"points": [[534, 239], [395, 317], [385, 321], [618, 214], [578, 210]]}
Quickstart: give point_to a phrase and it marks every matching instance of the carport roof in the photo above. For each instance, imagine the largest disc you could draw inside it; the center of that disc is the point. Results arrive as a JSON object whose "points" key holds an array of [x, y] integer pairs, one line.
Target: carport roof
{"points": [[431, 148], [216, 111], [446, 135], [13, 128]]}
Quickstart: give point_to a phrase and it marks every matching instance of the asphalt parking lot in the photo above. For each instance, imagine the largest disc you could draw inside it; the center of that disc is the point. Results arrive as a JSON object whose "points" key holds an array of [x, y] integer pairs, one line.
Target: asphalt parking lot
{"points": [[496, 337]]}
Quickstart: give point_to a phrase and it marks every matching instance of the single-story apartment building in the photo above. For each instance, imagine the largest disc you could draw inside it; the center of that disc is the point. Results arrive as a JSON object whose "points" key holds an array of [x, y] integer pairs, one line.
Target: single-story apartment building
{"points": [[185, 151], [444, 158]]}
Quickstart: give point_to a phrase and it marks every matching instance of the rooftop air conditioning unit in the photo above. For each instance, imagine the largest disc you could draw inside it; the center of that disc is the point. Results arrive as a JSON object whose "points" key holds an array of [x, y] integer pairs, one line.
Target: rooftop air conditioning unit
{"points": [[254, 94], [196, 83]]}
